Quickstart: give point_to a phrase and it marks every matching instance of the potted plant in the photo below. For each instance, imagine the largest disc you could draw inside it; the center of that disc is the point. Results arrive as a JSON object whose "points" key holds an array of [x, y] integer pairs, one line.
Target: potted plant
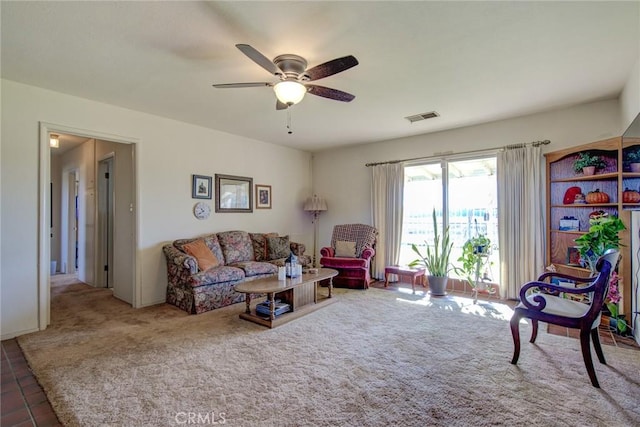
{"points": [[616, 320], [587, 163], [602, 235], [436, 260], [632, 155], [475, 256]]}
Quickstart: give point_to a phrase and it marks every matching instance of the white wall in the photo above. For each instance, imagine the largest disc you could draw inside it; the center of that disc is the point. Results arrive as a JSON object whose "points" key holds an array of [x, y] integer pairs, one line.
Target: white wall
{"points": [[341, 177], [630, 97], [168, 153]]}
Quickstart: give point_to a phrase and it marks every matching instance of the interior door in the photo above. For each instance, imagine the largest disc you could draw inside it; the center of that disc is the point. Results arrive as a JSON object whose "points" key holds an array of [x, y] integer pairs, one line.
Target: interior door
{"points": [[123, 273]]}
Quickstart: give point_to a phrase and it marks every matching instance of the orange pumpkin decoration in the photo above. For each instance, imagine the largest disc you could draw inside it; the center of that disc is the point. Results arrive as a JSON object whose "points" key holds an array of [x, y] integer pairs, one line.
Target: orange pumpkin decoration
{"points": [[595, 197], [630, 196]]}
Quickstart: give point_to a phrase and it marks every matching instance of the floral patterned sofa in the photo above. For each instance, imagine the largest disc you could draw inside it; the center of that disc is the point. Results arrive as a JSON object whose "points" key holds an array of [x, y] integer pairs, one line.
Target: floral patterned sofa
{"points": [[237, 256]]}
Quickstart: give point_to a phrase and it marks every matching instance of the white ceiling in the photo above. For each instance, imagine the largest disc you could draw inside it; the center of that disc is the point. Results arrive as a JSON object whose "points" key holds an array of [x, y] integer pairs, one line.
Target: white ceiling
{"points": [[472, 62]]}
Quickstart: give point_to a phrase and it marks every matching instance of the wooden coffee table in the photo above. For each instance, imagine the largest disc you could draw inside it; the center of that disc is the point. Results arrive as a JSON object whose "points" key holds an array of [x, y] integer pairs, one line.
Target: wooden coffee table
{"points": [[301, 293], [415, 274]]}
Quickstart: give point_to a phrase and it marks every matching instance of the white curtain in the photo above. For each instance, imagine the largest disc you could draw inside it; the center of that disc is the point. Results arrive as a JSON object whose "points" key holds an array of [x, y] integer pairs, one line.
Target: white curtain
{"points": [[521, 194], [387, 198]]}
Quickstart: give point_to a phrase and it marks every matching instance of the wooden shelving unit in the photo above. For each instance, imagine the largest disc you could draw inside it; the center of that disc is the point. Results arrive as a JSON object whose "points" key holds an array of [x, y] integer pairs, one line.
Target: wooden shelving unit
{"points": [[613, 180]]}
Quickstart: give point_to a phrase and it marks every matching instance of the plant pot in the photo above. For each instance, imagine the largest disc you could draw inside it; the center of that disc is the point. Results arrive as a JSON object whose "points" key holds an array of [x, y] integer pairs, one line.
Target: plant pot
{"points": [[480, 249], [613, 325], [588, 170], [635, 167], [437, 285]]}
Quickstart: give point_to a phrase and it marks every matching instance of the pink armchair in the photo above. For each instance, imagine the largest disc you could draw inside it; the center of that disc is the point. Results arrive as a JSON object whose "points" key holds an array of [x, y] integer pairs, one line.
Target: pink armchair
{"points": [[350, 253]]}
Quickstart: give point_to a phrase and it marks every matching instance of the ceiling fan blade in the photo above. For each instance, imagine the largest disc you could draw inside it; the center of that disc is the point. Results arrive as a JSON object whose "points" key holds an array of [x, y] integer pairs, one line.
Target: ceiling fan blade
{"points": [[281, 105], [232, 85], [327, 92], [259, 59], [332, 67]]}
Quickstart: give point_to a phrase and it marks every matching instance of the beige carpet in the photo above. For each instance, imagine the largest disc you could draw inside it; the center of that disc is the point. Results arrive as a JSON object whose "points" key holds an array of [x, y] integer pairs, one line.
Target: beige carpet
{"points": [[374, 358]]}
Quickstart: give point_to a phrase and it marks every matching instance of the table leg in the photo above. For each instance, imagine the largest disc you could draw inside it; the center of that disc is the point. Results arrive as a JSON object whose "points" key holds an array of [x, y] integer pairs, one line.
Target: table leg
{"points": [[413, 284], [386, 279], [247, 300], [315, 292], [272, 304], [330, 286]]}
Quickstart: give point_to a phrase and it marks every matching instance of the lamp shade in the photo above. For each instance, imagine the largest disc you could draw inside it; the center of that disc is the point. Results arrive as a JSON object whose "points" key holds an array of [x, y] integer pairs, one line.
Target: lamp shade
{"points": [[315, 204], [289, 92]]}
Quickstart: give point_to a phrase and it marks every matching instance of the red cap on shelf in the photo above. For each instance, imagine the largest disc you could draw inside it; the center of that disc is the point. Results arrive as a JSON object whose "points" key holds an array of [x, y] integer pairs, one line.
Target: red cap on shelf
{"points": [[570, 195]]}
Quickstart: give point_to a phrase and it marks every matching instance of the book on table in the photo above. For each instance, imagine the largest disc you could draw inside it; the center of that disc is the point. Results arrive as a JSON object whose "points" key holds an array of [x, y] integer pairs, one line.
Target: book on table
{"points": [[264, 308]]}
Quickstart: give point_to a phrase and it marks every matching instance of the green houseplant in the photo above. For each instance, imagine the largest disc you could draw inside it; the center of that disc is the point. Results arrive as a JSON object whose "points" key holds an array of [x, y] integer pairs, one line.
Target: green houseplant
{"points": [[586, 159], [617, 321], [436, 260], [475, 256], [632, 156], [602, 235]]}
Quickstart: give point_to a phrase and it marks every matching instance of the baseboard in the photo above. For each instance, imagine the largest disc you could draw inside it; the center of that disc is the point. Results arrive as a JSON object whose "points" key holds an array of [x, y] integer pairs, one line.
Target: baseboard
{"points": [[12, 335], [149, 304]]}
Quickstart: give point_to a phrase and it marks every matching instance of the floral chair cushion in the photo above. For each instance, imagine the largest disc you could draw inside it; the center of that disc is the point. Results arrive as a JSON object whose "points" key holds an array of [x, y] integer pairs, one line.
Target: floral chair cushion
{"points": [[254, 268], [236, 246], [278, 247], [216, 275], [259, 242]]}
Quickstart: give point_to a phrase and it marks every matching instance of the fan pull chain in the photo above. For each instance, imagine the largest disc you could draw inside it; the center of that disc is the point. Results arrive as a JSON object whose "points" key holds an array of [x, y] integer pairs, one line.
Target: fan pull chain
{"points": [[290, 131]]}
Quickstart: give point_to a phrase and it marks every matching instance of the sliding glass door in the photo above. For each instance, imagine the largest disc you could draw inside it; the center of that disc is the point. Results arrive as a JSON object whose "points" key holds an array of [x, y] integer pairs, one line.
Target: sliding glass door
{"points": [[464, 195]]}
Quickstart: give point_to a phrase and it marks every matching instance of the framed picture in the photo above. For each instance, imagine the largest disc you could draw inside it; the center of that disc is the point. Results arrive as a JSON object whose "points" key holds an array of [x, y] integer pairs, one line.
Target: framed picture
{"points": [[263, 196], [233, 193], [201, 187], [573, 256]]}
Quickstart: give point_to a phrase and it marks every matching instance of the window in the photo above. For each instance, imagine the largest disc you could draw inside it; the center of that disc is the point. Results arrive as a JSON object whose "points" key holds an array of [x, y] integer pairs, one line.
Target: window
{"points": [[468, 196]]}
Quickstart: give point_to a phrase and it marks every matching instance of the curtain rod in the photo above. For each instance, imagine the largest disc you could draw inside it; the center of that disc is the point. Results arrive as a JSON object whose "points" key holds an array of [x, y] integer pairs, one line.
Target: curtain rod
{"points": [[450, 153]]}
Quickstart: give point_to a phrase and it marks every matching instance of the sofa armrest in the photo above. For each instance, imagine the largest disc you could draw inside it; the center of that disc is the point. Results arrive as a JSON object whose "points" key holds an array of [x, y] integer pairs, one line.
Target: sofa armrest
{"points": [[297, 248], [368, 253], [327, 251], [180, 259]]}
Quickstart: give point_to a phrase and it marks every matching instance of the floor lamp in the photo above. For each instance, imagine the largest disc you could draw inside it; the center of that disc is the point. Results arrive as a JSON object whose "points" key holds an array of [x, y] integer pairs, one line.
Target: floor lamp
{"points": [[315, 205]]}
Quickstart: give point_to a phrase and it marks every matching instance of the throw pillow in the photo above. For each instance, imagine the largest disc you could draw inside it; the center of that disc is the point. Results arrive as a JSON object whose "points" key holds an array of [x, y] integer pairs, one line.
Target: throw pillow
{"points": [[201, 252], [278, 247], [345, 249], [259, 242]]}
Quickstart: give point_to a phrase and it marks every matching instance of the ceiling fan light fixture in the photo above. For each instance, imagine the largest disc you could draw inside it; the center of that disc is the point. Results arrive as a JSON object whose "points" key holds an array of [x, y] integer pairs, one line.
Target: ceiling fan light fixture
{"points": [[289, 92]]}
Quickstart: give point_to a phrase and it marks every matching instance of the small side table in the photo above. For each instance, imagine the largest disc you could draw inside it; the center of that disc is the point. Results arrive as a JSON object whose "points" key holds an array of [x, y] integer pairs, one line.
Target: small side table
{"points": [[415, 274]]}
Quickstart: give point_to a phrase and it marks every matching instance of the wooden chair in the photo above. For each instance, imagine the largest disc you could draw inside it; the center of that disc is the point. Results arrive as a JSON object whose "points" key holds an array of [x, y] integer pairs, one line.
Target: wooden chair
{"points": [[550, 306]]}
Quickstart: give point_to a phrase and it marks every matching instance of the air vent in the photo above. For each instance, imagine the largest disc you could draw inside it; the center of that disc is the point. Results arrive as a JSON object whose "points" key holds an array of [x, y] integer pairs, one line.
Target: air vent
{"points": [[423, 116]]}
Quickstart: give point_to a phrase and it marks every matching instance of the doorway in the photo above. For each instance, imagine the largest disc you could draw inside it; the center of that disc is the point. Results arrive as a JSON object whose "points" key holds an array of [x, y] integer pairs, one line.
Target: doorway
{"points": [[463, 193], [101, 219]]}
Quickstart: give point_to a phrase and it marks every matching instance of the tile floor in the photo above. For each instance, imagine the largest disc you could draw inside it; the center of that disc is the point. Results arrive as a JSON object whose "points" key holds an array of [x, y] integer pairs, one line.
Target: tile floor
{"points": [[23, 403]]}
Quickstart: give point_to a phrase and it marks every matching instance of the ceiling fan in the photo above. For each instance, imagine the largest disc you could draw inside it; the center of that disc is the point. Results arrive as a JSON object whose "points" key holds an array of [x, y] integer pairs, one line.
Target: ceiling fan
{"points": [[293, 74]]}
